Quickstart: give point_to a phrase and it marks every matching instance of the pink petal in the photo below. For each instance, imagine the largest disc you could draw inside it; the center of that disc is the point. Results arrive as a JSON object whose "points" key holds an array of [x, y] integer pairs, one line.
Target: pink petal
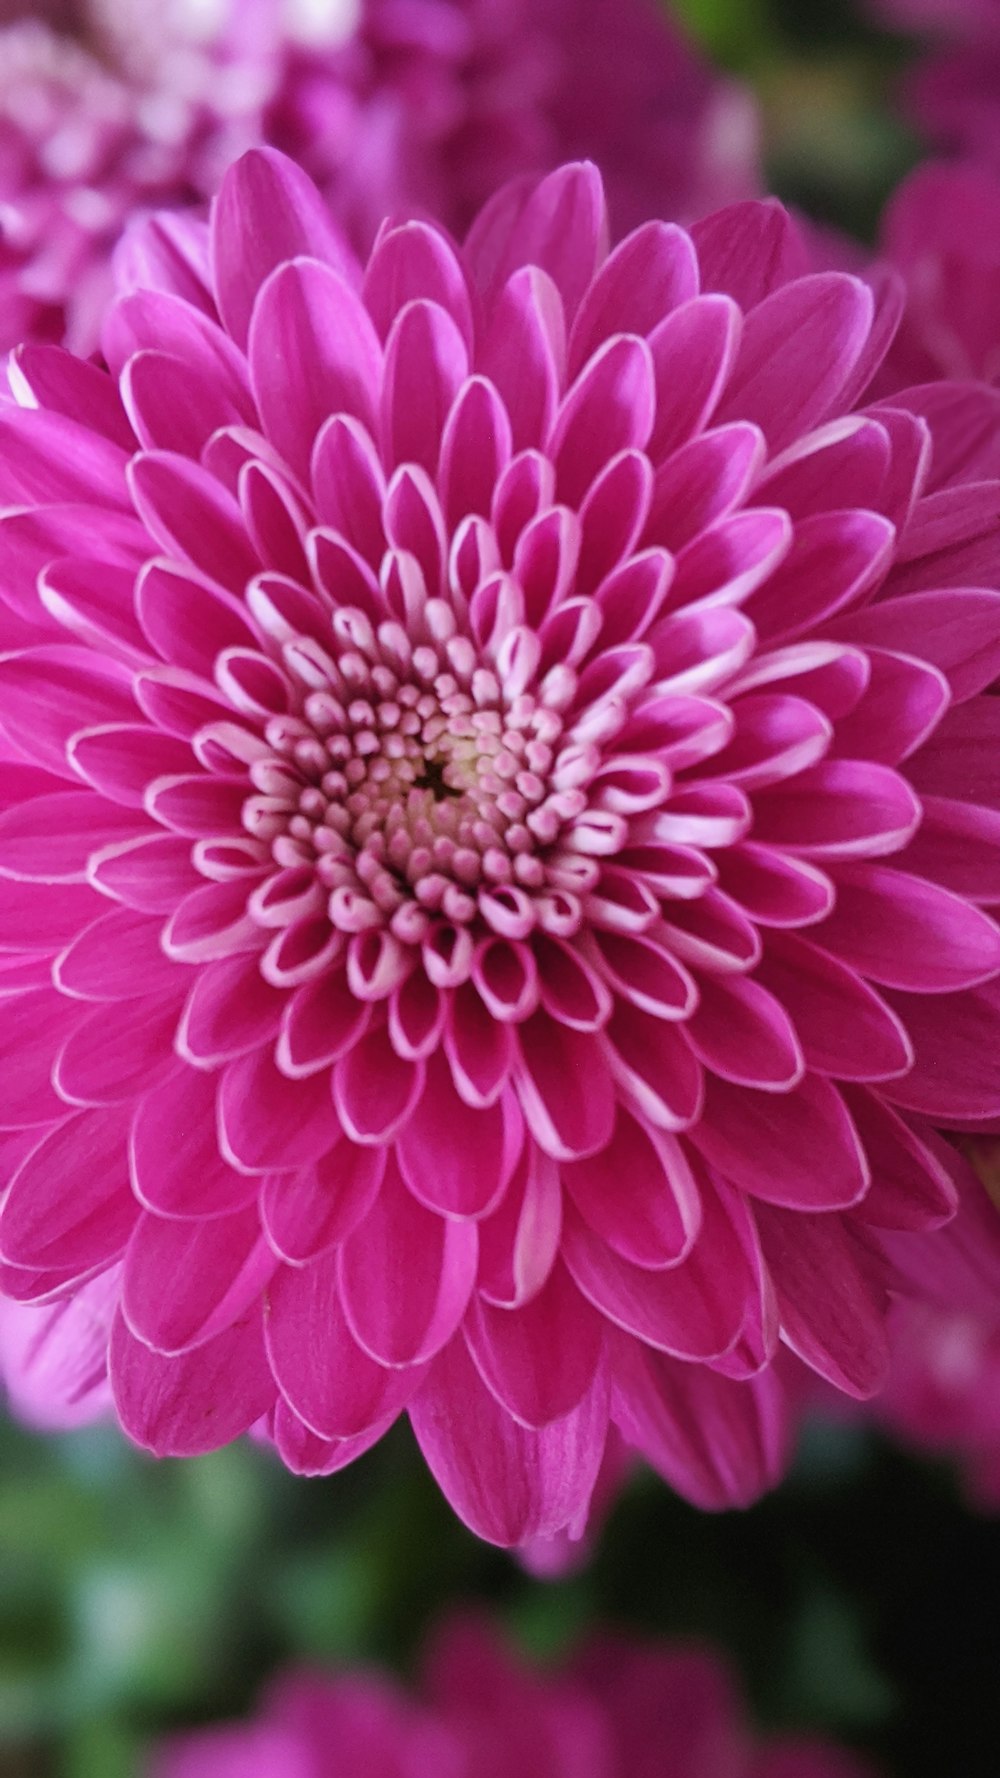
{"points": [[540, 1360], [518, 1244], [912, 1180], [116, 957], [508, 1484], [798, 348], [270, 1124], [832, 1310], [693, 352], [639, 1195], [558, 223], [45, 1227], [844, 1028], [767, 1143], [267, 211], [908, 933], [652, 272], [524, 352], [694, 1310], [957, 1071], [313, 352], [719, 1443], [958, 631], [564, 1088], [457, 1160], [841, 808], [405, 1276], [374, 1089], [333, 1386], [176, 1168], [304, 1215], [48, 693], [749, 250], [193, 517], [181, 1407], [217, 1269], [426, 363], [743, 1033], [106, 1059]]}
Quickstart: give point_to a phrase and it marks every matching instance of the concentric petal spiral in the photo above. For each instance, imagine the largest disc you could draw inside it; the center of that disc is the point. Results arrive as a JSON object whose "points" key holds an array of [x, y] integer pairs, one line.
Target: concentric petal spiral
{"points": [[499, 814]]}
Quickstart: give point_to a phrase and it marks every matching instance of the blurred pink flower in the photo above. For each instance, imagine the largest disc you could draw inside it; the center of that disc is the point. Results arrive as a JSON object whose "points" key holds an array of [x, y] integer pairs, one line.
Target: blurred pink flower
{"points": [[941, 232], [494, 836], [952, 93], [620, 1710], [428, 105]]}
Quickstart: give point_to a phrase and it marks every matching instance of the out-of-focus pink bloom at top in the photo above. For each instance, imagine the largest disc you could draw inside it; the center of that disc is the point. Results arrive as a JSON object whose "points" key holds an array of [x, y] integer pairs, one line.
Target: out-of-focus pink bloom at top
{"points": [[621, 1710], [500, 811], [952, 94], [429, 105], [941, 232]]}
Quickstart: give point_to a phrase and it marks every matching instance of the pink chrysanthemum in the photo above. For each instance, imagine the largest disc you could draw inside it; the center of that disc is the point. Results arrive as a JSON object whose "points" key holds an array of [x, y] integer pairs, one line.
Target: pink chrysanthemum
{"points": [[498, 802], [621, 1710], [952, 94], [432, 105]]}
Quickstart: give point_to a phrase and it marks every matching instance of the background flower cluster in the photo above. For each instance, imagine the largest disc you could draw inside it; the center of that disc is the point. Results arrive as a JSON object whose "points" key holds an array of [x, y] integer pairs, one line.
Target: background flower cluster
{"points": [[494, 720]]}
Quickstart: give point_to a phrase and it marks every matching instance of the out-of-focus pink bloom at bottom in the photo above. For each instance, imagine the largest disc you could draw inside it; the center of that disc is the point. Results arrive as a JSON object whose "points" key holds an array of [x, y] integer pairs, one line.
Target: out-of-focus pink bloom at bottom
{"points": [[620, 1710]]}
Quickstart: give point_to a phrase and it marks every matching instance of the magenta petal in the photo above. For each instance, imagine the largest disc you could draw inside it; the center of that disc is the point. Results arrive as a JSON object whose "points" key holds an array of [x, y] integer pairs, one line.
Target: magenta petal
{"points": [[957, 1071], [832, 1310], [749, 250], [176, 1166], [267, 211], [538, 1360], [694, 1310], [106, 1061], [374, 1089], [958, 631], [719, 1443], [799, 346], [639, 1195], [558, 223], [50, 839], [519, 1243], [908, 933], [767, 1144], [426, 363], [116, 957], [229, 1011], [270, 1124], [313, 352], [405, 1276], [334, 1387], [653, 271], [523, 354], [564, 1088], [180, 1407], [44, 1227], [305, 1214], [218, 1269], [47, 694], [845, 1029], [913, 1184], [455, 1159], [305, 1454], [743, 1033], [508, 1484], [958, 845], [191, 516]]}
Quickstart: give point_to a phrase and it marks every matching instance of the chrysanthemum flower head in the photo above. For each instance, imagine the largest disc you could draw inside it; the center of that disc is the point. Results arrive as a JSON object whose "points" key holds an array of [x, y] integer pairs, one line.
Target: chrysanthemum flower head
{"points": [[499, 804], [619, 1711]]}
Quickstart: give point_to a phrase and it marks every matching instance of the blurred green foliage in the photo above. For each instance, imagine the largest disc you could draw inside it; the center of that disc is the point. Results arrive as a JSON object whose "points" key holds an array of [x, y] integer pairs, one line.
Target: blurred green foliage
{"points": [[136, 1597]]}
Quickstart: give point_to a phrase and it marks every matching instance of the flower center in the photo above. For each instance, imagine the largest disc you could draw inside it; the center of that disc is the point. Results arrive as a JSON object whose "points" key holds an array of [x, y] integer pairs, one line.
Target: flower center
{"points": [[410, 786]]}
